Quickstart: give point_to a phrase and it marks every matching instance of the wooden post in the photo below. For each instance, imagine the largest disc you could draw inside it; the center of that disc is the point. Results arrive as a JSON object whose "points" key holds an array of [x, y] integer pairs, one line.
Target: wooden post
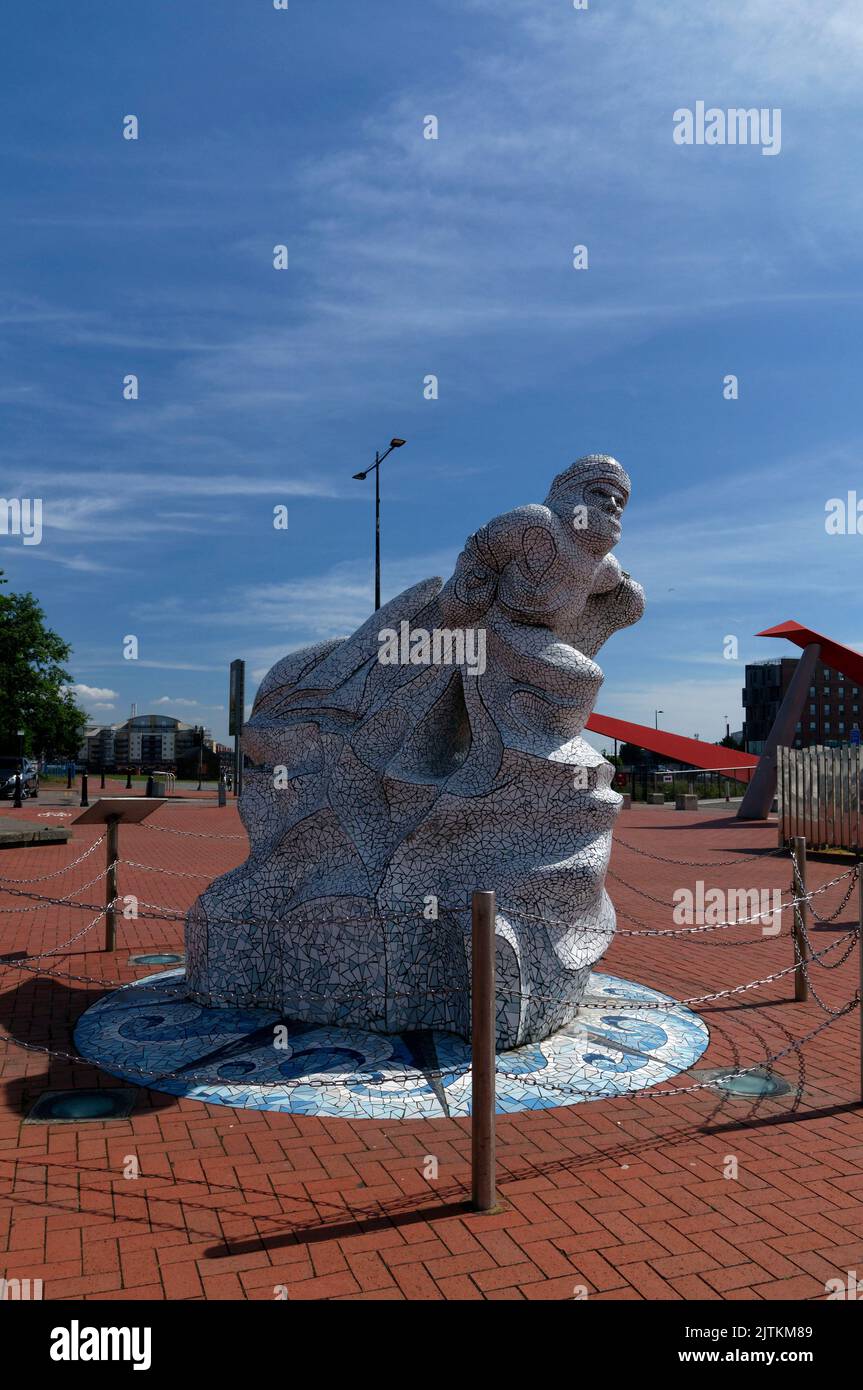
{"points": [[483, 913], [798, 890], [113, 841]]}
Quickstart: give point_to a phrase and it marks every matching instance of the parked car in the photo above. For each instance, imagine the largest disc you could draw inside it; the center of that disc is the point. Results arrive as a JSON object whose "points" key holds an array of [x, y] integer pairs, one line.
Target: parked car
{"points": [[29, 777]]}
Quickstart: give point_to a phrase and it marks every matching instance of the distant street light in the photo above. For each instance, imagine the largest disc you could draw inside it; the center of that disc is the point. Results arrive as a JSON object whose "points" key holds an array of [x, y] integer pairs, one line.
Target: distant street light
{"points": [[656, 714], [360, 477]]}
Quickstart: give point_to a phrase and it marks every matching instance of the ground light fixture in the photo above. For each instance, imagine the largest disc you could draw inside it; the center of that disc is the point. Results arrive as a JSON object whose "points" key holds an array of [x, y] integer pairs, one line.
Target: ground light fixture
{"points": [[80, 1106], [158, 958], [755, 1084]]}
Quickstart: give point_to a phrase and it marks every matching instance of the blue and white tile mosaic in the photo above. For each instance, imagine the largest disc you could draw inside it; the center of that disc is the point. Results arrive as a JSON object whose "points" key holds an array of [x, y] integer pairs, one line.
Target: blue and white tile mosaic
{"points": [[150, 1033]]}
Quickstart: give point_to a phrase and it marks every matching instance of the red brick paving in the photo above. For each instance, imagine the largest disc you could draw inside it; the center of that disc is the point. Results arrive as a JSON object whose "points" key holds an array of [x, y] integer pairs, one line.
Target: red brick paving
{"points": [[625, 1198]]}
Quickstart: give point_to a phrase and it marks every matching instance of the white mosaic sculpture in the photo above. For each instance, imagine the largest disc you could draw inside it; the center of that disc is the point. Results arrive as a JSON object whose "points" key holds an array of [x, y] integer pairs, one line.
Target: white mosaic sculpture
{"points": [[386, 789]]}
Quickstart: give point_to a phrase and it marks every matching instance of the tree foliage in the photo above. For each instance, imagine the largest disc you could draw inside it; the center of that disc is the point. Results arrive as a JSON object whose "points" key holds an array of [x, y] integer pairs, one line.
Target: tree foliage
{"points": [[34, 694]]}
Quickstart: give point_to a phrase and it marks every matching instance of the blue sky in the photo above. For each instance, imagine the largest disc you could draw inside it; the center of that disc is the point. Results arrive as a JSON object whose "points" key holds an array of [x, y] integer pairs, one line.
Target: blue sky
{"points": [[410, 257]]}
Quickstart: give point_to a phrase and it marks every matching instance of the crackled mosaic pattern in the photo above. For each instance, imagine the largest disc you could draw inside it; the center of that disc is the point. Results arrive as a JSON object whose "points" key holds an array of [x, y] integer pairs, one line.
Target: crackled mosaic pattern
{"points": [[377, 786], [150, 1033]]}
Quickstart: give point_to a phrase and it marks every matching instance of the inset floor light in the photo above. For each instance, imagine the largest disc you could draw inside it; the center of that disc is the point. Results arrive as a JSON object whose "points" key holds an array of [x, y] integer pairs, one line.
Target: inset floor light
{"points": [[749, 1085], [78, 1107], [158, 958]]}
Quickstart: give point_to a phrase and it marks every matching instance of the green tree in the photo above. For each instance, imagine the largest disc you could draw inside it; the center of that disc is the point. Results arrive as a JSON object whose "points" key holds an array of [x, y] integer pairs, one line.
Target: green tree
{"points": [[34, 694], [731, 742]]}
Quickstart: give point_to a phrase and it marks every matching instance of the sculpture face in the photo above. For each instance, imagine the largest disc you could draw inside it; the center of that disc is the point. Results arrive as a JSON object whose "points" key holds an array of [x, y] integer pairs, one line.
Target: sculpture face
{"points": [[414, 781], [604, 500]]}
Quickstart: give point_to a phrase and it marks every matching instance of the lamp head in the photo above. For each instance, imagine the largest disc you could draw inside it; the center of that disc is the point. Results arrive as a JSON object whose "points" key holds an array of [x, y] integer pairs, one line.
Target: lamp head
{"points": [[360, 476], [397, 443]]}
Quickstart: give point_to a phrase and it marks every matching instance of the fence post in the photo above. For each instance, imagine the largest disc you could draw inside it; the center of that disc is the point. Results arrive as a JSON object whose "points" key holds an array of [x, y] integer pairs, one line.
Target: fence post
{"points": [[798, 890], [482, 1106], [113, 841], [860, 965]]}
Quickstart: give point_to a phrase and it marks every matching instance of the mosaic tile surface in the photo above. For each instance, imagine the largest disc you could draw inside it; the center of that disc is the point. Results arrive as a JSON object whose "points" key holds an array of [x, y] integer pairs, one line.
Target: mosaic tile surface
{"points": [[150, 1033], [377, 786]]}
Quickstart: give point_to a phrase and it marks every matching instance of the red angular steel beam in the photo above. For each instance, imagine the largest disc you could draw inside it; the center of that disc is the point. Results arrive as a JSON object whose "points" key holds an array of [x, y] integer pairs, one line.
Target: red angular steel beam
{"points": [[833, 654], [676, 746]]}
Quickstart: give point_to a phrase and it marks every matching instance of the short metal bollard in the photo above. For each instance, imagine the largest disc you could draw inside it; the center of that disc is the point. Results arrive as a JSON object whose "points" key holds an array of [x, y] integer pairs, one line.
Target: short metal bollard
{"points": [[860, 966], [223, 792], [798, 925], [482, 1084], [128, 779], [16, 801], [84, 798]]}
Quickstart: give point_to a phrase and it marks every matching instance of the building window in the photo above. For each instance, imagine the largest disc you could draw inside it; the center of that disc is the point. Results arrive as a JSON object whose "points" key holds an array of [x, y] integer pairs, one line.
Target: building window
{"points": [[841, 726], [811, 709], [812, 727], [826, 726]]}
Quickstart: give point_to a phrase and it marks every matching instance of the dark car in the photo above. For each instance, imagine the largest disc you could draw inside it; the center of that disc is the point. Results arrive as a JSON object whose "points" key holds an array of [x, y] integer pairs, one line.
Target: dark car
{"points": [[29, 777]]}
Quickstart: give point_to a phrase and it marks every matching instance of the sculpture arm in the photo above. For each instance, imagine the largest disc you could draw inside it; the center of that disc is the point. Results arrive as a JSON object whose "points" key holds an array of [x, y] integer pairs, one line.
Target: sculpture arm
{"points": [[616, 600]]}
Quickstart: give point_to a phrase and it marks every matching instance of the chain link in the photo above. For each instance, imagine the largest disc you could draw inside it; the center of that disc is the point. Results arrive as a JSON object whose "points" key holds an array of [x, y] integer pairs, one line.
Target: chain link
{"points": [[41, 878]]}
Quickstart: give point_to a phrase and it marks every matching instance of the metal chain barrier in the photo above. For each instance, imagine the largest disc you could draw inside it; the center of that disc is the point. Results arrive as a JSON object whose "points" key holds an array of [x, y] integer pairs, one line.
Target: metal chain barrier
{"points": [[696, 863], [40, 878], [421, 1080], [197, 834], [55, 902]]}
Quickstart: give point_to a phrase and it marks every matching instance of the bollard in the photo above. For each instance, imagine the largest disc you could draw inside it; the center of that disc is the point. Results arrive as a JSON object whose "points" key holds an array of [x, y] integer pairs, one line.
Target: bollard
{"points": [[84, 800], [102, 780], [798, 890], [223, 792], [112, 841], [128, 779], [16, 801], [149, 791], [860, 966], [482, 1104], [68, 777]]}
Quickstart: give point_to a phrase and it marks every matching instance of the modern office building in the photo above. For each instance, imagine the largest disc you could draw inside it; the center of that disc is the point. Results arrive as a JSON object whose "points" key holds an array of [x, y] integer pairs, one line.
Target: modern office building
{"points": [[829, 716], [144, 740]]}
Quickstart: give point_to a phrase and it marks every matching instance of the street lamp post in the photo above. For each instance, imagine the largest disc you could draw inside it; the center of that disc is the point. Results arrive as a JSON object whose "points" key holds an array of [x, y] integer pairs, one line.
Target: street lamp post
{"points": [[20, 774], [656, 714], [360, 477]]}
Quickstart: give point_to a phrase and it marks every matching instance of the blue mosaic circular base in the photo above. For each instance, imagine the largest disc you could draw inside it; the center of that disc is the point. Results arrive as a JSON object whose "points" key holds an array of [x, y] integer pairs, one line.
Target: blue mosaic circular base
{"points": [[149, 1033]]}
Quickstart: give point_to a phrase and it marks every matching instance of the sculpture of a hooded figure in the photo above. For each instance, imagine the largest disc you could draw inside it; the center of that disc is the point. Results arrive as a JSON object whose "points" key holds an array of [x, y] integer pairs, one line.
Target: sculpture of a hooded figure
{"points": [[384, 793]]}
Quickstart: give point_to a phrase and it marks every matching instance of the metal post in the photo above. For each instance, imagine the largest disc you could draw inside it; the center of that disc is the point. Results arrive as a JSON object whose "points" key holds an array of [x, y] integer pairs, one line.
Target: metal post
{"points": [[798, 890], [377, 531], [223, 801], [84, 800], [128, 779], [112, 841], [860, 966], [102, 781], [482, 1051], [68, 776], [238, 766], [16, 801]]}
